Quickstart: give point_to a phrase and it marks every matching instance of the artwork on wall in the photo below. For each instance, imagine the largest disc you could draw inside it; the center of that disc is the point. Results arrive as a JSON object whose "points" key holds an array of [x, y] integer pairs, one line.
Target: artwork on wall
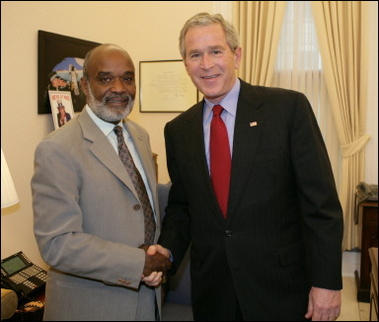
{"points": [[165, 87], [60, 68], [62, 109]]}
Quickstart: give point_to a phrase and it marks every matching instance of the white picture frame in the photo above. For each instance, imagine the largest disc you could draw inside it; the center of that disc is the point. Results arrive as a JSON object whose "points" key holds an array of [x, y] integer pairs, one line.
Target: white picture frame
{"points": [[61, 101], [165, 87]]}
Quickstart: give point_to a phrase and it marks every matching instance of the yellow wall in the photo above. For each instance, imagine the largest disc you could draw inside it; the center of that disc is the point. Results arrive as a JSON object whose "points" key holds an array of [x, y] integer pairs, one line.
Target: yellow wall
{"points": [[148, 31]]}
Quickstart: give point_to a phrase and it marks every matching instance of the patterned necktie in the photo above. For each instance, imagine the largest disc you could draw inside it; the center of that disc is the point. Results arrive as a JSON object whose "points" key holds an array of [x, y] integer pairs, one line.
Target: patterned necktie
{"points": [[220, 159], [136, 178]]}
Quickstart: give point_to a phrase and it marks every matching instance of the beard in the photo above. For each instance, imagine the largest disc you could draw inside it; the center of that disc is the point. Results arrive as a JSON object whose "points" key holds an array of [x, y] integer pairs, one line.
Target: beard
{"points": [[107, 114]]}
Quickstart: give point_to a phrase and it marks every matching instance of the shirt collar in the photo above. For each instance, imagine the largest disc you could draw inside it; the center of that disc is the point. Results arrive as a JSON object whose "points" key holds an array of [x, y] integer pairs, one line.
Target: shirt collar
{"points": [[104, 126], [229, 102]]}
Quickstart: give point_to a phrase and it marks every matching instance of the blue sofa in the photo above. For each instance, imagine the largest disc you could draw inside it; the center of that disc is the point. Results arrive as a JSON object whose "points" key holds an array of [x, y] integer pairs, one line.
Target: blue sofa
{"points": [[177, 301]]}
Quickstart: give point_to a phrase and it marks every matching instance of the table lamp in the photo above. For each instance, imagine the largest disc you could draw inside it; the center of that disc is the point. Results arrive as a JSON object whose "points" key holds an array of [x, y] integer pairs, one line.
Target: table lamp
{"points": [[8, 191]]}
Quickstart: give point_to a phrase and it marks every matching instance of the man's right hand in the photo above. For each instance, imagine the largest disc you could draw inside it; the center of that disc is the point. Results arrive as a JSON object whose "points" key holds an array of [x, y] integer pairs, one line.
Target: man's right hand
{"points": [[155, 262]]}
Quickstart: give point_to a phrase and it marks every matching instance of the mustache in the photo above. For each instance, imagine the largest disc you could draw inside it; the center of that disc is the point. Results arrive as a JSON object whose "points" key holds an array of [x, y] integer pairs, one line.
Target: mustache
{"points": [[118, 96]]}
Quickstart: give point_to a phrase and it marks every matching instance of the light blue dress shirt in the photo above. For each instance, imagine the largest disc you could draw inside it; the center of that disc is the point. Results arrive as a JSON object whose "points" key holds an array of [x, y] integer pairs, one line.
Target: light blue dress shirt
{"points": [[229, 103]]}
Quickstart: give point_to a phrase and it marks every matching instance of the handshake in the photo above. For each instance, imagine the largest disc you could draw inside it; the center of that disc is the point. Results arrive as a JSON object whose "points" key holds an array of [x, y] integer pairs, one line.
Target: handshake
{"points": [[157, 263]]}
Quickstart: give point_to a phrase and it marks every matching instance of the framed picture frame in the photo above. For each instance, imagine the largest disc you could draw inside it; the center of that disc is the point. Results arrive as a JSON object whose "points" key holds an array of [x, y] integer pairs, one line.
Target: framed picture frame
{"points": [[165, 87], [62, 110], [60, 68]]}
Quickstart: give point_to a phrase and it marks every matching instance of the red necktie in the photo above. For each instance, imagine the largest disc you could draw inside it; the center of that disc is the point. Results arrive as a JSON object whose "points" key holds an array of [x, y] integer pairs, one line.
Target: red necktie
{"points": [[220, 160]]}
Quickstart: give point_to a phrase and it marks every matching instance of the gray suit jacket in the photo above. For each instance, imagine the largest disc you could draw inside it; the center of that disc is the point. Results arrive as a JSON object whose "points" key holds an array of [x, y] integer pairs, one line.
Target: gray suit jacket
{"points": [[88, 224]]}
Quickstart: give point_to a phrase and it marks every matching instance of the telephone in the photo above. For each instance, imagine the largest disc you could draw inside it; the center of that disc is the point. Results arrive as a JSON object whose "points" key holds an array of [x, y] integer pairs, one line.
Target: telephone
{"points": [[367, 192], [21, 275]]}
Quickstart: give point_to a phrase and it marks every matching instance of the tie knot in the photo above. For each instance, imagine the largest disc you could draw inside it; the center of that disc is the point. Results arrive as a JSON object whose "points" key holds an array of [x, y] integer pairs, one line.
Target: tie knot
{"points": [[118, 130], [217, 110]]}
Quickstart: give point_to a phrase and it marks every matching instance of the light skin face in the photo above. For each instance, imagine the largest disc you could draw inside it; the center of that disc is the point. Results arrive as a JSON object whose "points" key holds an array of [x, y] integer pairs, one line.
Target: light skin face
{"points": [[211, 65], [210, 62], [110, 88], [61, 110], [57, 82]]}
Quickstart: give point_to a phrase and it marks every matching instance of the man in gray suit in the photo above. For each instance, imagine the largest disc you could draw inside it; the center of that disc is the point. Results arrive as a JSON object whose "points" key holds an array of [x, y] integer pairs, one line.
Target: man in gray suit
{"points": [[88, 220], [271, 250]]}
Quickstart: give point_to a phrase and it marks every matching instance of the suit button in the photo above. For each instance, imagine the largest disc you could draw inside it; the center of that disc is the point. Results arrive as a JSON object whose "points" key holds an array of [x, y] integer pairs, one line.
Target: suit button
{"points": [[123, 282], [228, 233], [137, 207]]}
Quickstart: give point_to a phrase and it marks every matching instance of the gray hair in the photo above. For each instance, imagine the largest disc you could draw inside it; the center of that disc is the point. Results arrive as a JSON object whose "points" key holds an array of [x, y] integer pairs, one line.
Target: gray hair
{"points": [[206, 19]]}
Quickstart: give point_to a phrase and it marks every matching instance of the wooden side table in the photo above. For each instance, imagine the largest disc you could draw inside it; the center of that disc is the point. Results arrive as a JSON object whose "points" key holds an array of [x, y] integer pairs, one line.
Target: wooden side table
{"points": [[368, 226], [373, 252]]}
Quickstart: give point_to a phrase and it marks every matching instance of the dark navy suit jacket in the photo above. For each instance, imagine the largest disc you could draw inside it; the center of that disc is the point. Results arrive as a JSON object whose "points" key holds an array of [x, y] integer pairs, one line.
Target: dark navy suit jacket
{"points": [[284, 227]]}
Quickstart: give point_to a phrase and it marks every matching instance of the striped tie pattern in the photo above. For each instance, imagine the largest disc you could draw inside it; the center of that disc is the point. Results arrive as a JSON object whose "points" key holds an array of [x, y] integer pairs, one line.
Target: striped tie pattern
{"points": [[139, 185]]}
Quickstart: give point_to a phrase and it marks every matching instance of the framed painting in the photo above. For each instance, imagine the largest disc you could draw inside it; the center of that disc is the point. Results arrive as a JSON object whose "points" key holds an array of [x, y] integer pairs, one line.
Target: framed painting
{"points": [[60, 68], [165, 87]]}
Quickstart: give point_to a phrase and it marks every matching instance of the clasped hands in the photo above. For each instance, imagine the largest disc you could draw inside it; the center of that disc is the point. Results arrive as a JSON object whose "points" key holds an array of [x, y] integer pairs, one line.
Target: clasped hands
{"points": [[157, 263]]}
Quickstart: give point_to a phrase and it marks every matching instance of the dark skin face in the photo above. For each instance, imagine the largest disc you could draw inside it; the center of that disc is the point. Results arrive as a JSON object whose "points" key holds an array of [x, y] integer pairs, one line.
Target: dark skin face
{"points": [[111, 79], [110, 88]]}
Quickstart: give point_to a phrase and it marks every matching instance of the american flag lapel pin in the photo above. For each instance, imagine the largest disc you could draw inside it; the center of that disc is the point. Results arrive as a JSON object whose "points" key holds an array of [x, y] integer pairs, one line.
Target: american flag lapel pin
{"points": [[252, 124]]}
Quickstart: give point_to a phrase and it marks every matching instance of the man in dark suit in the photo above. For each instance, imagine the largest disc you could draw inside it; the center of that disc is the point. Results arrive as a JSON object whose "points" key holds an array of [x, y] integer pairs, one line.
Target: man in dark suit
{"points": [[275, 254], [88, 216]]}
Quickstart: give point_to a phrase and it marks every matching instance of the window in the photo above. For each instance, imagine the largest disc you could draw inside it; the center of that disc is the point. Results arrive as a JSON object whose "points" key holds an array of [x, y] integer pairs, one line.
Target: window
{"points": [[299, 67]]}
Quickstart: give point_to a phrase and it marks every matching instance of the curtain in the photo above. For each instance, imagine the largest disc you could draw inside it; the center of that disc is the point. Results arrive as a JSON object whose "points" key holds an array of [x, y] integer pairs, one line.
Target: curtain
{"points": [[339, 29], [299, 67], [258, 24]]}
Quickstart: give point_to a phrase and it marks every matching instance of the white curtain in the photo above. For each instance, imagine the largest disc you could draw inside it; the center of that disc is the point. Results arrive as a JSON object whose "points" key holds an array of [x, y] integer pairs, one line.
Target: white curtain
{"points": [[335, 91], [258, 24], [299, 67], [340, 33]]}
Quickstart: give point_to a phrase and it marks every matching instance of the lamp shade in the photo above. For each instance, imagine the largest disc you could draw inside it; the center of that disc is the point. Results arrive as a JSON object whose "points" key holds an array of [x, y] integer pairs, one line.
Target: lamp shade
{"points": [[8, 191]]}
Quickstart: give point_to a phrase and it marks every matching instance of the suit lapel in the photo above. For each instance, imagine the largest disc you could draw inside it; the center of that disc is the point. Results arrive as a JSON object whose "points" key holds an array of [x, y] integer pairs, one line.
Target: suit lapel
{"points": [[103, 150], [143, 153], [248, 127], [193, 136], [250, 119]]}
